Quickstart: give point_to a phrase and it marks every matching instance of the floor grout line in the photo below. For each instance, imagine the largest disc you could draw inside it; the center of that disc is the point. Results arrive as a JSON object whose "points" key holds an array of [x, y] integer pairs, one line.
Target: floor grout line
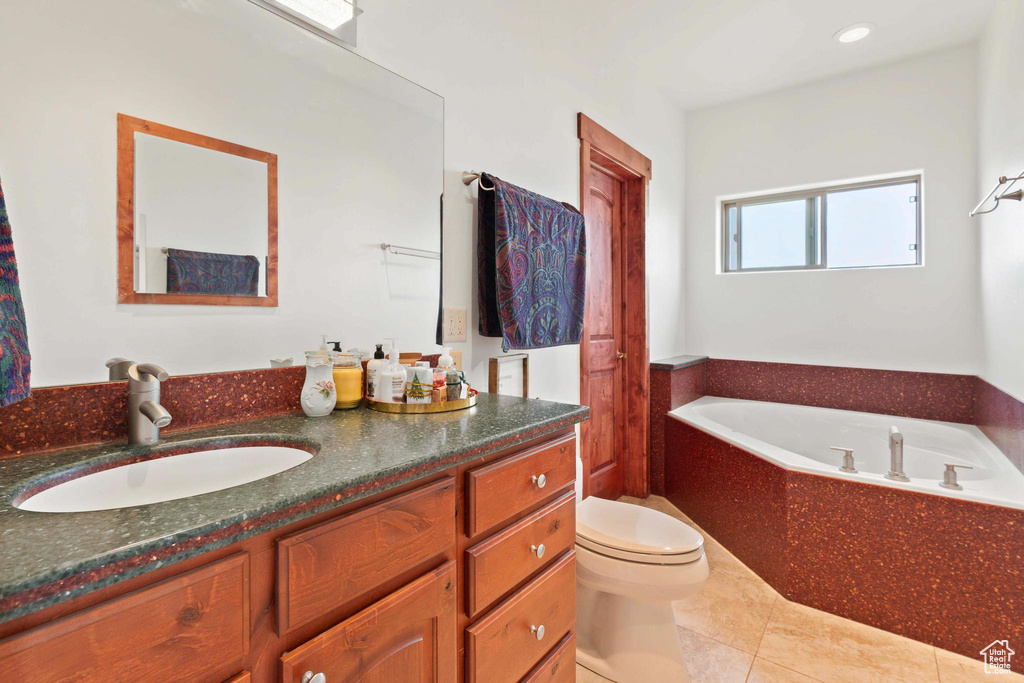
{"points": [[720, 642], [935, 656]]}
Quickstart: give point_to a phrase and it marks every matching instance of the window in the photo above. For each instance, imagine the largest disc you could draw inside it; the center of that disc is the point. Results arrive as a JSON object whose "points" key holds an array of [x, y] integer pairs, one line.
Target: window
{"points": [[843, 226]]}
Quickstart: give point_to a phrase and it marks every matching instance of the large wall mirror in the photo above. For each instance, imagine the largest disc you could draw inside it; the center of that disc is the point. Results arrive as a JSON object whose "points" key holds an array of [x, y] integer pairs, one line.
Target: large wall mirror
{"points": [[213, 97], [196, 218]]}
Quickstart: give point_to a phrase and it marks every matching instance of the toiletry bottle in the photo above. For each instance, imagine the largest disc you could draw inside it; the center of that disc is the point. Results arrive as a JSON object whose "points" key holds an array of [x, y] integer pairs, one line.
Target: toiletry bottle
{"points": [[445, 362], [373, 370], [453, 385], [420, 383], [348, 380], [391, 386]]}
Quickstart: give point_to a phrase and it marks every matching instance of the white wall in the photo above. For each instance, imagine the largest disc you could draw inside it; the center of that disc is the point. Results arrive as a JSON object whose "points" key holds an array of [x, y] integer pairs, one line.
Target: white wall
{"points": [[513, 83], [359, 162], [1001, 233], [917, 114]]}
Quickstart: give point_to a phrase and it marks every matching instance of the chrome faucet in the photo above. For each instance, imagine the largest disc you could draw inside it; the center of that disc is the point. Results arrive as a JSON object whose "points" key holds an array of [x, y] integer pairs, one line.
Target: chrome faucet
{"points": [[896, 472], [145, 414]]}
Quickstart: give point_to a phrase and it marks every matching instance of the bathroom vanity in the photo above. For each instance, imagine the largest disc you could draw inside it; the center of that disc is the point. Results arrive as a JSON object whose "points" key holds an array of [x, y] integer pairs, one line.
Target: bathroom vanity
{"points": [[427, 548]]}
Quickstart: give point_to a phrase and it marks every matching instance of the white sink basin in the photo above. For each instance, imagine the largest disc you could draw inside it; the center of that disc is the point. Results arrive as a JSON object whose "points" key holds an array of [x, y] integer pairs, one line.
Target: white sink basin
{"points": [[168, 478]]}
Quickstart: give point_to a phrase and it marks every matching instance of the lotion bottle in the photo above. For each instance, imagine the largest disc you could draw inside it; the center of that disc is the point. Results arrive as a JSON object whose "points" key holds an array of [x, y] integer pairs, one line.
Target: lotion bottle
{"points": [[391, 386], [373, 370]]}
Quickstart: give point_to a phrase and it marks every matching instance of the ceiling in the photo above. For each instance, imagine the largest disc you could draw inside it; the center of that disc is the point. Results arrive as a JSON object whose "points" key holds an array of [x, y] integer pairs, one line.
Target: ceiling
{"points": [[709, 51]]}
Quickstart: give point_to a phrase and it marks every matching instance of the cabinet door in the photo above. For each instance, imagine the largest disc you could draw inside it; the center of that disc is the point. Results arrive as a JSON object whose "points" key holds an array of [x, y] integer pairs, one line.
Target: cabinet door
{"points": [[192, 627], [409, 636]]}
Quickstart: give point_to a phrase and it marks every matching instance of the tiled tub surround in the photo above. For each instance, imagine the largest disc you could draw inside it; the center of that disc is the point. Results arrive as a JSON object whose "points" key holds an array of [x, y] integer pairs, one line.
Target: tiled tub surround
{"points": [[944, 571], [1001, 417], [930, 396], [925, 395], [674, 382], [50, 558]]}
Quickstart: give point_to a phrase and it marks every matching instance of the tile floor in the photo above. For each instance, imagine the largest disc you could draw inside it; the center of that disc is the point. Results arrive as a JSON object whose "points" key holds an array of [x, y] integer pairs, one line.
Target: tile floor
{"points": [[738, 628]]}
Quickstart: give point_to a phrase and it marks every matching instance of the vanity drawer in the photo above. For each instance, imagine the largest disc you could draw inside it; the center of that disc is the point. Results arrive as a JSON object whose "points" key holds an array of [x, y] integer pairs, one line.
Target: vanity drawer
{"points": [[501, 646], [499, 563], [325, 566], [558, 666], [408, 636], [498, 491], [195, 625]]}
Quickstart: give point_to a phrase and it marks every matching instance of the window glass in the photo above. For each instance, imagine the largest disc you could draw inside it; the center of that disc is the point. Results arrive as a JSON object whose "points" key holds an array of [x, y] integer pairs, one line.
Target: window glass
{"points": [[733, 251], [842, 226], [774, 235], [873, 226]]}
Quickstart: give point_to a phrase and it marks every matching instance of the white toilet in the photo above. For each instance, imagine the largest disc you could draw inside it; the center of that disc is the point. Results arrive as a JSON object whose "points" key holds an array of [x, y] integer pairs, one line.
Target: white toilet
{"points": [[631, 563]]}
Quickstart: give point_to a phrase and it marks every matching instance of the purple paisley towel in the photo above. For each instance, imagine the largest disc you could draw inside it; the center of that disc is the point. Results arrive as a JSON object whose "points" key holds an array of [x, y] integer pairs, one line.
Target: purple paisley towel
{"points": [[200, 272], [14, 356], [532, 256]]}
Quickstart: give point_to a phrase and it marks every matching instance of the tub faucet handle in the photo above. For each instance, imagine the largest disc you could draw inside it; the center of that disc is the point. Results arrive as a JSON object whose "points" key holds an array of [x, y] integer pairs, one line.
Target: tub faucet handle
{"points": [[949, 476], [847, 458]]}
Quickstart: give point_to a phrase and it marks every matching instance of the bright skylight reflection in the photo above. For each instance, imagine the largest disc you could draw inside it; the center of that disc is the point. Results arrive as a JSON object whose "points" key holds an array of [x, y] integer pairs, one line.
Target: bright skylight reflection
{"points": [[327, 13]]}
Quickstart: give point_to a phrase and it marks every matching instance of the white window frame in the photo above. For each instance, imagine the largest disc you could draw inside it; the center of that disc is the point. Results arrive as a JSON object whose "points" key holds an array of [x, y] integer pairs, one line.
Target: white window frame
{"points": [[816, 236]]}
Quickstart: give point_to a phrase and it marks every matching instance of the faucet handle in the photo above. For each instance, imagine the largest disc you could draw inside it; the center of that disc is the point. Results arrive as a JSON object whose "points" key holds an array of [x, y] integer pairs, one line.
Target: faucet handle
{"points": [[118, 368], [847, 458], [145, 376], [949, 476]]}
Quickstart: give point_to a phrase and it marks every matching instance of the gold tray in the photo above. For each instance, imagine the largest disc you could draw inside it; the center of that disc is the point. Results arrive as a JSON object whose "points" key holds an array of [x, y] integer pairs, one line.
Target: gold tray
{"points": [[423, 408]]}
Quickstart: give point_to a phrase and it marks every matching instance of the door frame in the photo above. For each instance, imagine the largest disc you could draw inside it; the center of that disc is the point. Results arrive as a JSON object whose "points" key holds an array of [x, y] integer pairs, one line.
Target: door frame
{"points": [[600, 147]]}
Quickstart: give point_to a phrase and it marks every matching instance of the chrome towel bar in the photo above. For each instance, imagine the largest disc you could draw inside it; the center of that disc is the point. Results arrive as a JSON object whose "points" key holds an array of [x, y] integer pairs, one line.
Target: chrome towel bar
{"points": [[410, 251], [1006, 194]]}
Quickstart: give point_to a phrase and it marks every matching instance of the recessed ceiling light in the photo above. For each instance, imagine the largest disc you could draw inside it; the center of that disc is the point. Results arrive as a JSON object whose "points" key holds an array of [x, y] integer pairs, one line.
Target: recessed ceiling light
{"points": [[851, 34]]}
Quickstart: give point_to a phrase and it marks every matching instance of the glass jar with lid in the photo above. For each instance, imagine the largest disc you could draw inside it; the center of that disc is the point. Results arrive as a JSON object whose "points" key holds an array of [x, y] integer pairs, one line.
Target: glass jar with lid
{"points": [[348, 380]]}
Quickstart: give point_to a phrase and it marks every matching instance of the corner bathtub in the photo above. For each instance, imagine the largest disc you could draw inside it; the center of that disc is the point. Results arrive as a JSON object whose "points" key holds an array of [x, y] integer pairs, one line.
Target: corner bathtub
{"points": [[799, 438]]}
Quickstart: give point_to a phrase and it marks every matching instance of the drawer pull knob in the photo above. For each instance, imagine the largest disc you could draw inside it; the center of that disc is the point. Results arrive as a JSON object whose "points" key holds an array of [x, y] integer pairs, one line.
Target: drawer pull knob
{"points": [[541, 481], [310, 677], [538, 630], [538, 550]]}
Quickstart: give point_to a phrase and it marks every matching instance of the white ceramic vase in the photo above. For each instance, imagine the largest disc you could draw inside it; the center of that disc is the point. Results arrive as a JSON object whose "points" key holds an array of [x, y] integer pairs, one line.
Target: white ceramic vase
{"points": [[319, 394]]}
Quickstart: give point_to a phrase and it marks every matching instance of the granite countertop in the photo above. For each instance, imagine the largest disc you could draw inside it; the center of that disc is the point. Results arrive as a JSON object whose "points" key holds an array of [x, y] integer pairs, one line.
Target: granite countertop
{"points": [[677, 362], [52, 557]]}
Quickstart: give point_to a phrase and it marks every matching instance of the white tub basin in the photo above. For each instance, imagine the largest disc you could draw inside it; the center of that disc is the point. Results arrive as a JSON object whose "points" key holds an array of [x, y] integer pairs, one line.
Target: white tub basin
{"points": [[167, 478]]}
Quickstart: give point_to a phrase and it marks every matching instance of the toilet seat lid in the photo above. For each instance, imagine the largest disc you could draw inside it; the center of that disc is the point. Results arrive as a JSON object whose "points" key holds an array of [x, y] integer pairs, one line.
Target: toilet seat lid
{"points": [[634, 531]]}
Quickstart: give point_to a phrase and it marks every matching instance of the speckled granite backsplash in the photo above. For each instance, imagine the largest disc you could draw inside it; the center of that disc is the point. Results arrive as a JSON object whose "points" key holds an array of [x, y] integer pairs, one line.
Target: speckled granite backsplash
{"points": [[57, 417], [48, 558]]}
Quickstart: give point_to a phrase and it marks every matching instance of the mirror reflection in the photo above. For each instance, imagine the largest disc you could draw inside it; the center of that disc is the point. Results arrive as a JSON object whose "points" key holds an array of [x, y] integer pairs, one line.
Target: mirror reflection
{"points": [[200, 218], [359, 162]]}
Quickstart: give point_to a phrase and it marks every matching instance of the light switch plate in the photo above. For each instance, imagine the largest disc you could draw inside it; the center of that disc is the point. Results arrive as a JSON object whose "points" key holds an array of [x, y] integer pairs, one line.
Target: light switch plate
{"points": [[454, 324]]}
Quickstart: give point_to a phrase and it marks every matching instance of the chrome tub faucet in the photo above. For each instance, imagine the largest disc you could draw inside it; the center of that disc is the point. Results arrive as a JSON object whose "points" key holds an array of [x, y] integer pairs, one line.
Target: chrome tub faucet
{"points": [[145, 414], [896, 472]]}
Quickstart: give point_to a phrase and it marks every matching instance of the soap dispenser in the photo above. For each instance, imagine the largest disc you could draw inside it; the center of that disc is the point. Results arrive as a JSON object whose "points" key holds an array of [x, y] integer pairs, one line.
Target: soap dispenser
{"points": [[391, 386], [373, 370]]}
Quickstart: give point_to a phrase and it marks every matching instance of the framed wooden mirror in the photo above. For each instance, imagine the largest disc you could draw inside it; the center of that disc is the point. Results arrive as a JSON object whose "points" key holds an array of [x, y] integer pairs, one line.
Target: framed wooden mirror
{"points": [[196, 218]]}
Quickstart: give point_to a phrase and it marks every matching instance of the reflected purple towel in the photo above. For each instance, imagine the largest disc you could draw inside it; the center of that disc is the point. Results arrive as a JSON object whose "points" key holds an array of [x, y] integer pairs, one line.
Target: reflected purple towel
{"points": [[15, 366], [532, 258], [201, 272]]}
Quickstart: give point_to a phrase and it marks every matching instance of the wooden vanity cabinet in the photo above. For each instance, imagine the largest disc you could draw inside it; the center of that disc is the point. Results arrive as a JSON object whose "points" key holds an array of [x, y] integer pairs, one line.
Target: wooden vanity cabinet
{"points": [[437, 580], [408, 636]]}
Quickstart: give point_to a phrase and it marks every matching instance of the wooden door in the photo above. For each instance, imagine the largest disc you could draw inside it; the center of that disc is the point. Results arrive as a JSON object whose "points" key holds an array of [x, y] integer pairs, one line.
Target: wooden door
{"points": [[614, 373], [604, 335], [409, 636]]}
